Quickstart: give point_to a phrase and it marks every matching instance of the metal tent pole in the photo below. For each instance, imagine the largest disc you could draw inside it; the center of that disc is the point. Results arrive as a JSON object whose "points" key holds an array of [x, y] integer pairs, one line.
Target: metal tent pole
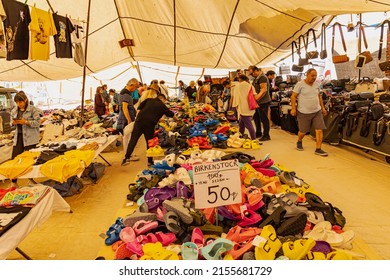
{"points": [[85, 63]]}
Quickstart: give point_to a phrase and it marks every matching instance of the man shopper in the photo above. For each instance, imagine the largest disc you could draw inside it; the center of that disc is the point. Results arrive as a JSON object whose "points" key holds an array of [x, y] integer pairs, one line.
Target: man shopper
{"points": [[261, 85], [150, 112], [310, 110]]}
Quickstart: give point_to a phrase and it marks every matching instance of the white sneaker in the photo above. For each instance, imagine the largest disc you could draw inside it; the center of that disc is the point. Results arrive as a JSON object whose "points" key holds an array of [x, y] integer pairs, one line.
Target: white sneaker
{"points": [[134, 158]]}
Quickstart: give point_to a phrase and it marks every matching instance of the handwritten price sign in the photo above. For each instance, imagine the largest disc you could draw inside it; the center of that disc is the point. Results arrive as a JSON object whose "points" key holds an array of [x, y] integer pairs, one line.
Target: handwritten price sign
{"points": [[217, 184]]}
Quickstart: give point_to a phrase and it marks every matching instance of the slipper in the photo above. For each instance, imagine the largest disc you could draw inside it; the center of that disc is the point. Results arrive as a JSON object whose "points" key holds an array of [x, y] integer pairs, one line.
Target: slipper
{"points": [[250, 218], [155, 251], [267, 245], [182, 191], [323, 231], [339, 255], [142, 226], [209, 229], [127, 234], [240, 235], [197, 237], [131, 219], [135, 247], [189, 251], [165, 238], [272, 187], [115, 246], [122, 253], [316, 203], [172, 222], [298, 249], [294, 225], [322, 247], [254, 195], [214, 250], [177, 205], [224, 212], [255, 144], [240, 249]]}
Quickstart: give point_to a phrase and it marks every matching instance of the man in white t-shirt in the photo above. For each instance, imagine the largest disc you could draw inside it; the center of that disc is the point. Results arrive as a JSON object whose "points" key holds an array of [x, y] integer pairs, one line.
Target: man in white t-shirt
{"points": [[310, 111]]}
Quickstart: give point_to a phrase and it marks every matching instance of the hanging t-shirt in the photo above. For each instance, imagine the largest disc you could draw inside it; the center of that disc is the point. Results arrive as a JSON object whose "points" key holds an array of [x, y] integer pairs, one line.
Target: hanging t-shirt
{"points": [[42, 27], [17, 35], [62, 39], [3, 50], [78, 42]]}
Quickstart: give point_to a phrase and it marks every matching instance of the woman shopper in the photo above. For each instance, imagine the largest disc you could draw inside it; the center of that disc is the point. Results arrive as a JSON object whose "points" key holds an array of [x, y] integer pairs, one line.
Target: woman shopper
{"points": [[26, 118], [99, 104], [245, 114]]}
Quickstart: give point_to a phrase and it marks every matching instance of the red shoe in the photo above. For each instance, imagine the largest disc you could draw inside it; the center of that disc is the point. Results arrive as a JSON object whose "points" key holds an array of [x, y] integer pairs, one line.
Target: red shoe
{"points": [[222, 129], [153, 142]]}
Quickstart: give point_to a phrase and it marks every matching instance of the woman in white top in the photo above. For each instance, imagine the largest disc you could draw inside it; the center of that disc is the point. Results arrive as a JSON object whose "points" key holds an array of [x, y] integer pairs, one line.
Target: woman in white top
{"points": [[240, 101]]}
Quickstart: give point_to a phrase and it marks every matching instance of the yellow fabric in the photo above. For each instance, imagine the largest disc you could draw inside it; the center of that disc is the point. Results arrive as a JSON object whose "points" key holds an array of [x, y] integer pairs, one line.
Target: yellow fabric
{"points": [[18, 166], [62, 168], [42, 27], [86, 156], [70, 164]]}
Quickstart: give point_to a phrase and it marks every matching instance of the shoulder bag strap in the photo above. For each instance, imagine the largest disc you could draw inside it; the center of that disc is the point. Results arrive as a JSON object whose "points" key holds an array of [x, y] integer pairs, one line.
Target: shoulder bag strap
{"points": [[323, 37], [292, 49], [362, 34], [313, 32], [303, 38], [381, 38], [341, 34]]}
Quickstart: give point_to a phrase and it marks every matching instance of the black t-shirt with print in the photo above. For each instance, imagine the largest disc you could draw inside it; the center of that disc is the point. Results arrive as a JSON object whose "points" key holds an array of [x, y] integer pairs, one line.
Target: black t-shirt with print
{"points": [[10, 216], [62, 39], [16, 30]]}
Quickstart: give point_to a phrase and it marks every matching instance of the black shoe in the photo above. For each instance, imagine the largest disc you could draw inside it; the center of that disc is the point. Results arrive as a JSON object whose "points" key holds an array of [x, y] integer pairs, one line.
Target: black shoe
{"points": [[265, 138], [299, 146], [259, 135], [125, 161]]}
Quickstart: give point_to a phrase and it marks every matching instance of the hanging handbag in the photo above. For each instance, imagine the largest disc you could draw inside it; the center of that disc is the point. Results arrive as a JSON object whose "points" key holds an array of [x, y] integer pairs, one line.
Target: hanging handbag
{"points": [[339, 58], [252, 100], [365, 86], [323, 53], [295, 67], [350, 26], [384, 66], [284, 69], [311, 54], [302, 61], [363, 57]]}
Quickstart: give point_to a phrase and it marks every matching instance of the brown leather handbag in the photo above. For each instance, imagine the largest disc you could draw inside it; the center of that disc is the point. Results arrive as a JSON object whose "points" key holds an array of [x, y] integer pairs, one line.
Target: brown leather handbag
{"points": [[302, 61], [339, 58], [384, 66], [366, 53]]}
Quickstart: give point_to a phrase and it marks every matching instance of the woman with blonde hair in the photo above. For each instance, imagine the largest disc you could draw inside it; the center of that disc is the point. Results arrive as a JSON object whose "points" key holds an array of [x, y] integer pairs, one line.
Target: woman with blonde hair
{"points": [[190, 90]]}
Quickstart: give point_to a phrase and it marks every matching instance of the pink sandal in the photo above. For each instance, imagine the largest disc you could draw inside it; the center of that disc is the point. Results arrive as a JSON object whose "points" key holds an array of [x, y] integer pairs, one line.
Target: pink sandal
{"points": [[197, 237], [250, 218], [142, 226]]}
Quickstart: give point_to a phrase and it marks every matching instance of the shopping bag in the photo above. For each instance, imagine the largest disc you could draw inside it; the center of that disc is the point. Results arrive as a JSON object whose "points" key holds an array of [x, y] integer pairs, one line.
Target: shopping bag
{"points": [[252, 100]]}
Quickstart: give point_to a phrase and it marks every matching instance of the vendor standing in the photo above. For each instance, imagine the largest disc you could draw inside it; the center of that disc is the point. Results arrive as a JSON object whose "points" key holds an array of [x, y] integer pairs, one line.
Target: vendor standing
{"points": [[26, 118]]}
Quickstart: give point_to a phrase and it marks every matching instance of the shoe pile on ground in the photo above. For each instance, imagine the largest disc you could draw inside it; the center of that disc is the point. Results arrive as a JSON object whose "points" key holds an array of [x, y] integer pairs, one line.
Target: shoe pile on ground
{"points": [[280, 216]]}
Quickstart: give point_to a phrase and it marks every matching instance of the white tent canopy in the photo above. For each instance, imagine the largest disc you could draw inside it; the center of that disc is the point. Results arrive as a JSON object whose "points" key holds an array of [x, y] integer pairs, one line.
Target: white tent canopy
{"points": [[194, 33]]}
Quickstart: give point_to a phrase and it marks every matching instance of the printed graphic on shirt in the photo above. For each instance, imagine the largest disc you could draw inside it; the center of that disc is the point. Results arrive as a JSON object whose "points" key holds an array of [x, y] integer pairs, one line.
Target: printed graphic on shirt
{"points": [[42, 27], [62, 39], [16, 34]]}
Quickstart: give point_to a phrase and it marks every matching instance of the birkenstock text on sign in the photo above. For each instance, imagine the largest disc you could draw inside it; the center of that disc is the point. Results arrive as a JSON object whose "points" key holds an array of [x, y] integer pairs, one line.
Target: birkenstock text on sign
{"points": [[217, 184]]}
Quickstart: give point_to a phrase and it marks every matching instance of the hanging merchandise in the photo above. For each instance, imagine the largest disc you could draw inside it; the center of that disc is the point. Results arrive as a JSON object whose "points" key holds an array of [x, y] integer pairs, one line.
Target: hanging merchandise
{"points": [[78, 41], [311, 54], [339, 58], [384, 66], [295, 67], [42, 27], [3, 52], [302, 61], [363, 57], [17, 35], [62, 39], [323, 53]]}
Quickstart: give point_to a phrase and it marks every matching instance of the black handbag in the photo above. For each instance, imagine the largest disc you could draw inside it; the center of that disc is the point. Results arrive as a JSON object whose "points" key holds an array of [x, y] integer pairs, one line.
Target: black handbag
{"points": [[311, 54], [302, 61], [297, 68]]}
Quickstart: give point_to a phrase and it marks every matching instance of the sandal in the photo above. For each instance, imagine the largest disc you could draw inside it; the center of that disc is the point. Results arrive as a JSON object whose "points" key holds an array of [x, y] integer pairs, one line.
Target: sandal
{"points": [[142, 226], [268, 245], [172, 222], [298, 249], [255, 144], [189, 251], [240, 235], [177, 205], [294, 225], [214, 250], [250, 218], [127, 234]]}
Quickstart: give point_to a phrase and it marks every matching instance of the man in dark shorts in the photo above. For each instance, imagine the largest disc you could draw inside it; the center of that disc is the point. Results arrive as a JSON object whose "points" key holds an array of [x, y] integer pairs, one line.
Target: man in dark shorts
{"points": [[310, 110]]}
